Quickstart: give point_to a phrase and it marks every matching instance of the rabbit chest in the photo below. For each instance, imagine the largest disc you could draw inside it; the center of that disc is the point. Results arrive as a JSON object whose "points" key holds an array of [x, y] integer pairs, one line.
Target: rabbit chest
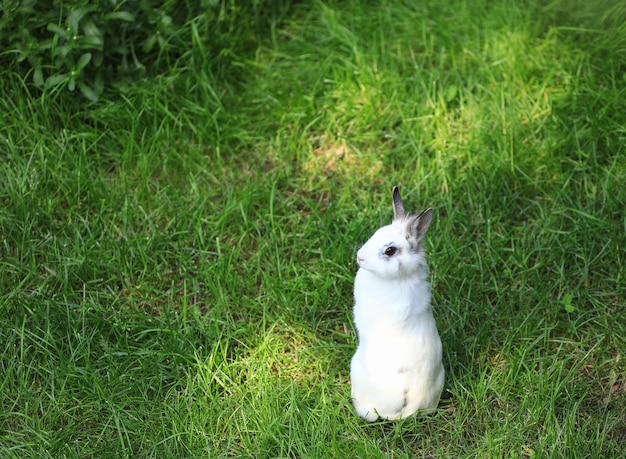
{"points": [[394, 320]]}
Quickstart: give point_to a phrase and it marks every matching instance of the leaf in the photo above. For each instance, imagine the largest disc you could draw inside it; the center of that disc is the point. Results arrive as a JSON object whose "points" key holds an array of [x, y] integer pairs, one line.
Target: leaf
{"points": [[97, 59], [55, 80], [60, 31], [91, 42], [83, 61], [87, 92], [61, 51], [166, 21], [21, 55], [120, 15], [567, 303], [90, 29], [98, 84], [148, 44], [38, 77], [75, 16], [451, 93]]}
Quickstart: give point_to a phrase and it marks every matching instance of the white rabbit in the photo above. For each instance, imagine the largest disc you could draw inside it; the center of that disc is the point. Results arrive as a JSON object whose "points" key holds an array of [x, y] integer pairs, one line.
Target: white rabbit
{"points": [[397, 367]]}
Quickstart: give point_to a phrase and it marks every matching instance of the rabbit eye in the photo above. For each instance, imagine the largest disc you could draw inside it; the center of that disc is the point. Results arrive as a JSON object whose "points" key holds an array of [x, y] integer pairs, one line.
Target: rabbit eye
{"points": [[390, 251]]}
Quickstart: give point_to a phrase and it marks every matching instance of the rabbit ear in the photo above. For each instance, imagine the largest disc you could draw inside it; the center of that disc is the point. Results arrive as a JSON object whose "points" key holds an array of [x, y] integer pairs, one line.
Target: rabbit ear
{"points": [[399, 212], [419, 224]]}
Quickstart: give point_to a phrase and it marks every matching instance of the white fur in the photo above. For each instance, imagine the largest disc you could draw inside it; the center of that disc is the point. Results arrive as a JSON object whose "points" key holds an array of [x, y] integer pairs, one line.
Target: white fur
{"points": [[397, 367]]}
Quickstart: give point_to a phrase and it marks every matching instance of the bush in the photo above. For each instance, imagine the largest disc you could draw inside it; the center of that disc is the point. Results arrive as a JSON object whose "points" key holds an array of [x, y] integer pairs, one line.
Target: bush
{"points": [[76, 44], [85, 43]]}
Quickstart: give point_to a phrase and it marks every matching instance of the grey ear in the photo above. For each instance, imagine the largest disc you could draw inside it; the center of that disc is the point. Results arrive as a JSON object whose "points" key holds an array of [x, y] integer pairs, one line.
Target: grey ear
{"points": [[419, 224], [399, 212]]}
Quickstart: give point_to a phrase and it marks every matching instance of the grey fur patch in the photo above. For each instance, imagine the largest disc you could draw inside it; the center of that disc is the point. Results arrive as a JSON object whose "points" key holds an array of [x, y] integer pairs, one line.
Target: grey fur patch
{"points": [[405, 401], [399, 212]]}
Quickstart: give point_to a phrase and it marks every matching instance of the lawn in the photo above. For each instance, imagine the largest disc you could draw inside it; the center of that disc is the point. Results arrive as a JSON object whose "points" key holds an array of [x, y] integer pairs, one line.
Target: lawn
{"points": [[177, 257]]}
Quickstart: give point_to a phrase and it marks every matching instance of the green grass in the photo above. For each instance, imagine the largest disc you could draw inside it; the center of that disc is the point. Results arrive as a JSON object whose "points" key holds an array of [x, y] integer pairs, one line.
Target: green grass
{"points": [[177, 260]]}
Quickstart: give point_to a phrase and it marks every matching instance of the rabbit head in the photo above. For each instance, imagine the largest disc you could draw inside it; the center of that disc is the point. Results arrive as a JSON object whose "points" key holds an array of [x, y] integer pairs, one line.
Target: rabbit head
{"points": [[395, 250]]}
